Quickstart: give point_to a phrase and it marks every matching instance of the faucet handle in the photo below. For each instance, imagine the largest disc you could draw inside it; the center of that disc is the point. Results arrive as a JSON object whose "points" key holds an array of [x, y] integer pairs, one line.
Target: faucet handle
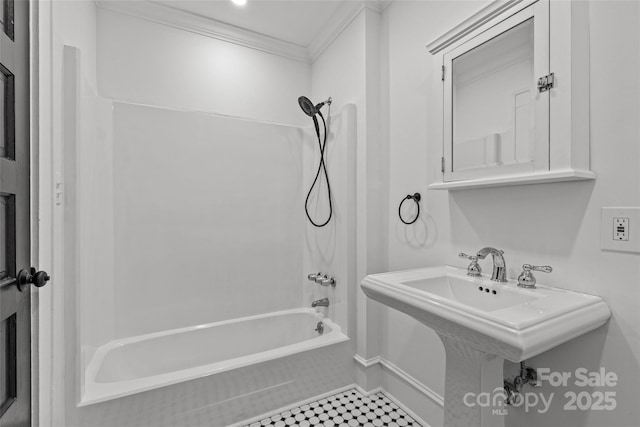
{"points": [[473, 269], [526, 279], [469, 257], [543, 268]]}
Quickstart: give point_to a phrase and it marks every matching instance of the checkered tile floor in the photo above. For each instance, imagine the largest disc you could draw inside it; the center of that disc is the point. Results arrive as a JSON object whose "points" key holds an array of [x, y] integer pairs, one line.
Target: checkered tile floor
{"points": [[346, 409]]}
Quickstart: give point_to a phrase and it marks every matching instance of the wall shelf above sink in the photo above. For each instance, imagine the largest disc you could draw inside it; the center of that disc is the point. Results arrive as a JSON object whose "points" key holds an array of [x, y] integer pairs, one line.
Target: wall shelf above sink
{"points": [[546, 177]]}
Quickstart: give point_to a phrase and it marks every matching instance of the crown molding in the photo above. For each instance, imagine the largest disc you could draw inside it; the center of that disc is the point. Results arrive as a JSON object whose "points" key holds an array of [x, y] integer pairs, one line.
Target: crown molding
{"points": [[180, 19], [194, 23], [384, 4], [188, 21], [339, 21], [476, 20]]}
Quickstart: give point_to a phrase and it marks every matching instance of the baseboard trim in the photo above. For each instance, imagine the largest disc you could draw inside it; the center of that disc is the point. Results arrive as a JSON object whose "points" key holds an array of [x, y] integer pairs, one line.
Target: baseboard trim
{"points": [[389, 366]]}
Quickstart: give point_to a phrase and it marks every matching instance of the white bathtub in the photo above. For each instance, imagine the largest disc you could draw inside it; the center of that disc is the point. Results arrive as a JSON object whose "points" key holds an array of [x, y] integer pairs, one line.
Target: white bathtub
{"points": [[128, 366]]}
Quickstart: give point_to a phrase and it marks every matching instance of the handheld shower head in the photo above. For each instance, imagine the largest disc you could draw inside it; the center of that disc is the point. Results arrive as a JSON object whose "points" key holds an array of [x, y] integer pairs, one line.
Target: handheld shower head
{"points": [[313, 111], [308, 107]]}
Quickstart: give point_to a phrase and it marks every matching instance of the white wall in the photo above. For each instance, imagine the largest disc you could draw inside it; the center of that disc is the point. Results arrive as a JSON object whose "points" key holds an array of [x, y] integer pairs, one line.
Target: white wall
{"points": [[412, 105], [349, 71], [555, 224], [149, 63], [60, 23], [330, 249], [339, 73]]}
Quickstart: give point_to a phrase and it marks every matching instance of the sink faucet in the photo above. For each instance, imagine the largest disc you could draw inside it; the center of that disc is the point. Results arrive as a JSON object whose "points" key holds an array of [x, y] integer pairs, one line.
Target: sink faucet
{"points": [[499, 267], [324, 302]]}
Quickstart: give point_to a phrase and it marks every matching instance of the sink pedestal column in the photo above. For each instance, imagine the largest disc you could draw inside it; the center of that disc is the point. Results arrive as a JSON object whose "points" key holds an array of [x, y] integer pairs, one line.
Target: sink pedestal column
{"points": [[473, 383]]}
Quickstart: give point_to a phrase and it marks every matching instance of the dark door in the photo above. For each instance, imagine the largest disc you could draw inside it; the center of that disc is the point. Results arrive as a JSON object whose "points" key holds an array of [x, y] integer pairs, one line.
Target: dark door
{"points": [[15, 245]]}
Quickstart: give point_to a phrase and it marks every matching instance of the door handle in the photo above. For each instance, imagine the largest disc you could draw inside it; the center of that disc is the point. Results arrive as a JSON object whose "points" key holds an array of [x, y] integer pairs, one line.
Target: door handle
{"points": [[30, 276]]}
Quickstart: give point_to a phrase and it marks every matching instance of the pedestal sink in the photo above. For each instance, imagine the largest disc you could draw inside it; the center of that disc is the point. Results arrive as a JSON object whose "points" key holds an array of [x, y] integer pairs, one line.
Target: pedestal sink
{"points": [[482, 322]]}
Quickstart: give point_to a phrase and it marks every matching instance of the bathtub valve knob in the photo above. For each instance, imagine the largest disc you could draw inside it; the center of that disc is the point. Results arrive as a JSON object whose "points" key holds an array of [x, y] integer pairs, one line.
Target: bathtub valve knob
{"points": [[321, 278], [314, 277], [329, 281]]}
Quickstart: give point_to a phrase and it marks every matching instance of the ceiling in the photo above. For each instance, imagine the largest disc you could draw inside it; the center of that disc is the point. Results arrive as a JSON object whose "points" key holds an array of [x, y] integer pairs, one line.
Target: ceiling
{"points": [[297, 29]]}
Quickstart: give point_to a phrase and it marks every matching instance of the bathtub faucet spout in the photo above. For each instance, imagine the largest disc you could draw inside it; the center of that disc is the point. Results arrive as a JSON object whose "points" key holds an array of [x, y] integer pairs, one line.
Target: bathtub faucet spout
{"points": [[324, 302]]}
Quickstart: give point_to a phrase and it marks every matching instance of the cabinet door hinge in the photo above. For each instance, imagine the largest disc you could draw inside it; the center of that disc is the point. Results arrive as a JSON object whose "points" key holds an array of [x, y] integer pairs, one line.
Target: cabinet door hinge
{"points": [[545, 82], [443, 73], [442, 165]]}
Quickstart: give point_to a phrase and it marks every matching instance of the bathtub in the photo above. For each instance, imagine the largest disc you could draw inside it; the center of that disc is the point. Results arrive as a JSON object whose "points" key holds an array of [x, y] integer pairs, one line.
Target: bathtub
{"points": [[137, 364]]}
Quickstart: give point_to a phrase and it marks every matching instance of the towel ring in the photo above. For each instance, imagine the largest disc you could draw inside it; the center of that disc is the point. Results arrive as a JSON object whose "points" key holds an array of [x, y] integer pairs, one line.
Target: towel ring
{"points": [[416, 198]]}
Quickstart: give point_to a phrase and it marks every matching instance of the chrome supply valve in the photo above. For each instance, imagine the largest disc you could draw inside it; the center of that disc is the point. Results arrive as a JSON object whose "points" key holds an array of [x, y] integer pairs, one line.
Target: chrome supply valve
{"points": [[513, 388], [473, 269], [526, 279], [512, 397], [531, 376], [328, 282]]}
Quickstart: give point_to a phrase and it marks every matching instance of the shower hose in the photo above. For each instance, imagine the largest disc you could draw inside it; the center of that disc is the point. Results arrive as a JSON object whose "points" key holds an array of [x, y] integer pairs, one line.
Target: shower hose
{"points": [[322, 168]]}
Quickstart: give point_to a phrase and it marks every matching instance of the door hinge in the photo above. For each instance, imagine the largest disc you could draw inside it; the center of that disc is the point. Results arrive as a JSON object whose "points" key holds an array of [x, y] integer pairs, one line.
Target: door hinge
{"points": [[443, 73], [545, 82], [442, 165]]}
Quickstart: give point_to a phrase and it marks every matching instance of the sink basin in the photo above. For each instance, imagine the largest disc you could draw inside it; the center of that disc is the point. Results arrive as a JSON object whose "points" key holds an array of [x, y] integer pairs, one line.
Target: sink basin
{"points": [[482, 322], [452, 288], [497, 318]]}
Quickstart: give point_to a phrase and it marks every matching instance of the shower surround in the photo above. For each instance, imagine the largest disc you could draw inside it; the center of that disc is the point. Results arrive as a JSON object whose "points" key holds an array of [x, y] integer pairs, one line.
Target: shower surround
{"points": [[194, 218]]}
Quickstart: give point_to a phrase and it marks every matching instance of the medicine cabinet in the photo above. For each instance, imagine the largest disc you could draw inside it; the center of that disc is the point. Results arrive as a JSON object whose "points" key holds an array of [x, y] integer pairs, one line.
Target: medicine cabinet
{"points": [[515, 95]]}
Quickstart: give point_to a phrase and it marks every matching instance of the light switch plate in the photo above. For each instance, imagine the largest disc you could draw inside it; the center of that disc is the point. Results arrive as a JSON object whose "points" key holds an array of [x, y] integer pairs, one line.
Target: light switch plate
{"points": [[620, 229]]}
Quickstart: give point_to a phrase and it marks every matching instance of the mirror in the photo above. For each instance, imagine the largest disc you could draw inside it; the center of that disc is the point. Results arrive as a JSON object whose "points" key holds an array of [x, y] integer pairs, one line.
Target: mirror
{"points": [[492, 100]]}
